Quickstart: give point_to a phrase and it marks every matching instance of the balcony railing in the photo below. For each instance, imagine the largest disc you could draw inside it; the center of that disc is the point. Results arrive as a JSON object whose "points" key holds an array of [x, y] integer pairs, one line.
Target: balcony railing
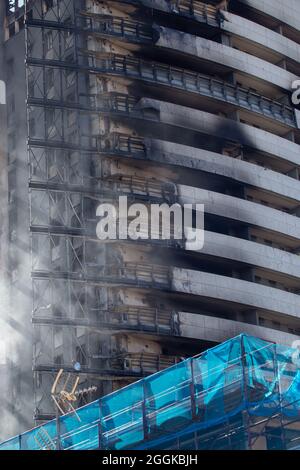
{"points": [[193, 8], [118, 364], [116, 26], [128, 273], [193, 82], [128, 317], [140, 273], [143, 362], [139, 316], [121, 143]]}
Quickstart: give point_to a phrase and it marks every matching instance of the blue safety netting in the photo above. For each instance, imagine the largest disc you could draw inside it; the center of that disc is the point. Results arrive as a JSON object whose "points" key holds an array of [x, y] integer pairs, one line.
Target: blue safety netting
{"points": [[244, 373]]}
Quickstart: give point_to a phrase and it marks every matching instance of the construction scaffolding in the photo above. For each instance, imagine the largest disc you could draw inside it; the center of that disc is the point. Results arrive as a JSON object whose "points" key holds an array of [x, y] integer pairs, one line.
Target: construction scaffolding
{"points": [[242, 394], [70, 141]]}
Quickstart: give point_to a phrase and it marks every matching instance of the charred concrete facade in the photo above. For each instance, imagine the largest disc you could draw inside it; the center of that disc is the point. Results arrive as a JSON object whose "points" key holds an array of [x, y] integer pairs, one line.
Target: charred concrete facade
{"points": [[163, 101]]}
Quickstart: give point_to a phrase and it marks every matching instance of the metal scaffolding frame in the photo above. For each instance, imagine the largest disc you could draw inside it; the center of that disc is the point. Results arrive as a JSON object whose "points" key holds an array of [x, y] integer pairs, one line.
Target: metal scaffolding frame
{"points": [[71, 269]]}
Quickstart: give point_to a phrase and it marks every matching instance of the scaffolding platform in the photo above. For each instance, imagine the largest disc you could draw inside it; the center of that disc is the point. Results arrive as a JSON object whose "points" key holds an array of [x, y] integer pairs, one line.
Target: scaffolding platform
{"points": [[242, 394]]}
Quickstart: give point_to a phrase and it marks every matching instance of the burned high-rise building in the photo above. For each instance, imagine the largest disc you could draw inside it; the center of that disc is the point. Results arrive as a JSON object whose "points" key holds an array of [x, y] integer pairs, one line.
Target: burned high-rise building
{"points": [[162, 101]]}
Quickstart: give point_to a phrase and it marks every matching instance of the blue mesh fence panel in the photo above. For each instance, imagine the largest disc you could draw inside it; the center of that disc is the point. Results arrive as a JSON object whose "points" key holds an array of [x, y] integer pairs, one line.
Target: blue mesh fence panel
{"points": [[80, 430], [32, 440], [216, 372], [12, 444], [168, 398], [262, 392], [122, 417], [289, 380]]}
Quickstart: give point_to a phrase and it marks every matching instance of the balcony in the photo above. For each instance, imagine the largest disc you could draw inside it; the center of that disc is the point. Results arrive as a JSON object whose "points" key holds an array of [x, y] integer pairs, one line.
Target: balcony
{"points": [[122, 28], [138, 275], [235, 291], [140, 317], [192, 82], [143, 363], [117, 365]]}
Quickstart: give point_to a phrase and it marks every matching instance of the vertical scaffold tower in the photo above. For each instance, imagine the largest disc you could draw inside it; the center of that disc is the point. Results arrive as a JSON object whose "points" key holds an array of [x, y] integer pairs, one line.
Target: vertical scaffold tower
{"points": [[70, 140]]}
